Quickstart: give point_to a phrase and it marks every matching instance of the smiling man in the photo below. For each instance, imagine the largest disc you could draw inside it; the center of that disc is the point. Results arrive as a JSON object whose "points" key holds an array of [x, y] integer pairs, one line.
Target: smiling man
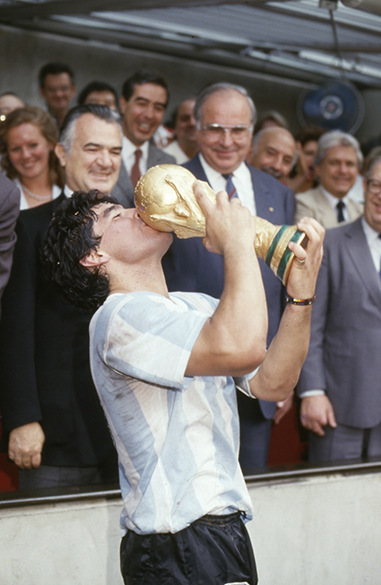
{"points": [[339, 160], [57, 87], [57, 432], [274, 152], [340, 380], [185, 146], [143, 103], [225, 116]]}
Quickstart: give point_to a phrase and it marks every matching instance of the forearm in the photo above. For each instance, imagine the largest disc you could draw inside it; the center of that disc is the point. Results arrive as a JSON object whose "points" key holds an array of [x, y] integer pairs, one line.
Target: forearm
{"points": [[280, 370], [281, 367], [241, 317], [233, 340]]}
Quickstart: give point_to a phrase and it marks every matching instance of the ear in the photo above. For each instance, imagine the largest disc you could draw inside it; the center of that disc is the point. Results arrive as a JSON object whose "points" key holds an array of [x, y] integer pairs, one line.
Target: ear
{"points": [[42, 92], [94, 259], [61, 154], [122, 104], [73, 90]]}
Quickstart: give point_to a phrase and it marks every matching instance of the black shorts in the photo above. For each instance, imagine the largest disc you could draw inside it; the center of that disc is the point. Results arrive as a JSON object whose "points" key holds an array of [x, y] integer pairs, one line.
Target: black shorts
{"points": [[214, 550]]}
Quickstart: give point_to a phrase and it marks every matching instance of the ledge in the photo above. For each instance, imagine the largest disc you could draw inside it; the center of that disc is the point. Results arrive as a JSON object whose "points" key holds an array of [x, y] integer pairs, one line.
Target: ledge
{"points": [[295, 472]]}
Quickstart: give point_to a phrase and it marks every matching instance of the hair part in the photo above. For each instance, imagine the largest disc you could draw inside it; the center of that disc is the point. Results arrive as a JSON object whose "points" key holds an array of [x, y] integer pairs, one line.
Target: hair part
{"points": [[141, 77], [338, 138], [68, 128], [69, 239], [222, 87], [48, 128], [54, 68]]}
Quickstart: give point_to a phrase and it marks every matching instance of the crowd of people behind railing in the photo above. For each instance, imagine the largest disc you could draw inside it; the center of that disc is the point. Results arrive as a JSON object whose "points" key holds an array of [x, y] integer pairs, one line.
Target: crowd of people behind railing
{"points": [[53, 425]]}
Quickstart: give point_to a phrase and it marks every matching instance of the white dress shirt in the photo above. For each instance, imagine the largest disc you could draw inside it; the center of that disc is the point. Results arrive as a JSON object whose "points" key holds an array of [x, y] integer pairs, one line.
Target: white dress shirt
{"points": [[334, 201], [128, 155], [241, 179], [374, 243]]}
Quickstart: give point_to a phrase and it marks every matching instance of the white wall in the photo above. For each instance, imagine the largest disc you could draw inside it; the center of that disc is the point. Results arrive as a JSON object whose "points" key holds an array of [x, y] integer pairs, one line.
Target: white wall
{"points": [[22, 53], [313, 531]]}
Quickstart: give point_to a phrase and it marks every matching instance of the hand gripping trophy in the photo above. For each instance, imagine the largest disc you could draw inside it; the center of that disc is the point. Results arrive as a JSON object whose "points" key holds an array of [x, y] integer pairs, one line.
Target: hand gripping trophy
{"points": [[165, 200]]}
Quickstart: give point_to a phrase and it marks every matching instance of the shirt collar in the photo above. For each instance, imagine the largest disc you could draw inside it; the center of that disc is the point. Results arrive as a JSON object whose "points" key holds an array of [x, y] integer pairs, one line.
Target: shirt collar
{"points": [[129, 148], [332, 199], [211, 173], [370, 234], [67, 191]]}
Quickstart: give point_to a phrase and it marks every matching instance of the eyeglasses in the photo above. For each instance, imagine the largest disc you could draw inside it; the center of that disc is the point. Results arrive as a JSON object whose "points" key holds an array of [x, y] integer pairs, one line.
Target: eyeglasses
{"points": [[214, 132], [374, 186]]}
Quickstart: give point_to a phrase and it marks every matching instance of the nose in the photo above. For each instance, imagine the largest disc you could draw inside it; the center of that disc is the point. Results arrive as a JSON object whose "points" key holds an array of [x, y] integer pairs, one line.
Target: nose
{"points": [[226, 138], [343, 168], [25, 153], [104, 158]]}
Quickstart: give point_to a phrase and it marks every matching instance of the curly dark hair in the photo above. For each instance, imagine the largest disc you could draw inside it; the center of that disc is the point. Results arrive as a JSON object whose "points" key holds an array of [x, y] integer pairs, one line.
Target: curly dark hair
{"points": [[68, 240]]}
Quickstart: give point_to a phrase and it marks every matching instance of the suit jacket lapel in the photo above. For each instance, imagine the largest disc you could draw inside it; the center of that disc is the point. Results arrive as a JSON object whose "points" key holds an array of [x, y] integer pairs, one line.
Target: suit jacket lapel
{"points": [[262, 195], [359, 252], [195, 166]]}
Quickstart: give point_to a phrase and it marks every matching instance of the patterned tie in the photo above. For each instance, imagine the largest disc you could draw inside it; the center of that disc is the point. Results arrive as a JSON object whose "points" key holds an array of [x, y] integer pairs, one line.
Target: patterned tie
{"points": [[135, 171], [340, 215], [230, 189]]}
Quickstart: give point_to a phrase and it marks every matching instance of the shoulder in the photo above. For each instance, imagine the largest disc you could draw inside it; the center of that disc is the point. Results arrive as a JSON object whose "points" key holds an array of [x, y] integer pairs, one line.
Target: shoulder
{"points": [[192, 163], [35, 221], [196, 301], [159, 156], [336, 235], [265, 181], [309, 196], [9, 193]]}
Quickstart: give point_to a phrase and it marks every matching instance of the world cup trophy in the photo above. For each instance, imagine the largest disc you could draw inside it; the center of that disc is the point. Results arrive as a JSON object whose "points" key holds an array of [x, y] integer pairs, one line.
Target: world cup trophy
{"points": [[166, 202]]}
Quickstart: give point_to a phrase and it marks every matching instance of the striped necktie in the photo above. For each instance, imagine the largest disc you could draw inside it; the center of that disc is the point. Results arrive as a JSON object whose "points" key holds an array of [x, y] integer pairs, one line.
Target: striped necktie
{"points": [[340, 213], [230, 188], [135, 170]]}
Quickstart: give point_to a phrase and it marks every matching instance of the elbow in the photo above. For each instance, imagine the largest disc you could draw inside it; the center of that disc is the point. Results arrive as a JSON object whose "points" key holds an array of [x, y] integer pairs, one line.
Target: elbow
{"points": [[277, 390], [252, 357]]}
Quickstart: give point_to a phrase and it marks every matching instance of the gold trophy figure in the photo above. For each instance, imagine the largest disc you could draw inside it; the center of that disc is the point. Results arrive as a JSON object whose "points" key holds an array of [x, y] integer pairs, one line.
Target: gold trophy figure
{"points": [[166, 202]]}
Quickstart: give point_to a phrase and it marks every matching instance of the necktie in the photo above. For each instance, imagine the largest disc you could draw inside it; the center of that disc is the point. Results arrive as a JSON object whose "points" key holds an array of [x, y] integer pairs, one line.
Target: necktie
{"points": [[135, 171], [230, 189], [340, 215]]}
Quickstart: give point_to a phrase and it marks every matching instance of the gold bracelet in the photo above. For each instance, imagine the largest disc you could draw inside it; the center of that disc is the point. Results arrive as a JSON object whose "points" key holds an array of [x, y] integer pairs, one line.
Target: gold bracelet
{"points": [[301, 302]]}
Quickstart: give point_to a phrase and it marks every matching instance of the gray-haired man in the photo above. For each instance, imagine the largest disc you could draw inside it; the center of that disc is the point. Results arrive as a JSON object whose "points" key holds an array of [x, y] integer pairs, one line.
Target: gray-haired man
{"points": [[339, 160], [57, 432]]}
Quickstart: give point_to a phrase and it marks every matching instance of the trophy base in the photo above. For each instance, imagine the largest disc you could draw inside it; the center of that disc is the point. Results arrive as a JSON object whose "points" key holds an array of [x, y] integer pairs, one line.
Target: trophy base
{"points": [[279, 257]]}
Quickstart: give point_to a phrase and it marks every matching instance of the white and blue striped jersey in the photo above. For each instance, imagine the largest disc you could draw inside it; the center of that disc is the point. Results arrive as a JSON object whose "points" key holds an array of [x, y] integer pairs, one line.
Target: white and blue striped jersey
{"points": [[177, 437]]}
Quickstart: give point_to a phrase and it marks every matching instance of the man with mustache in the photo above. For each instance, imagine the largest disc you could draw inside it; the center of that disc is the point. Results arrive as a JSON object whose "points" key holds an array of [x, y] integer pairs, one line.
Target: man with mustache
{"points": [[143, 103], [274, 152]]}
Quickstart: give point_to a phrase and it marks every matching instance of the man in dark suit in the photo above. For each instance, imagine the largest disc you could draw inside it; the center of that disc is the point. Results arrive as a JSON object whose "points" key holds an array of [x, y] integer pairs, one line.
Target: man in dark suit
{"points": [[142, 103], [340, 383], [57, 431], [225, 117], [9, 212]]}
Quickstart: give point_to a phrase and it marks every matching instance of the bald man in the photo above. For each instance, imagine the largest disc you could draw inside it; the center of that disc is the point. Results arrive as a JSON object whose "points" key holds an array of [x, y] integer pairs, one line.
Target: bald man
{"points": [[274, 152]]}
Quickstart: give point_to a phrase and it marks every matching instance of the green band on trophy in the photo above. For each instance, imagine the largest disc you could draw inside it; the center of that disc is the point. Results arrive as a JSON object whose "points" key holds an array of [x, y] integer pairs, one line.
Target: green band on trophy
{"points": [[287, 254], [274, 244]]}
